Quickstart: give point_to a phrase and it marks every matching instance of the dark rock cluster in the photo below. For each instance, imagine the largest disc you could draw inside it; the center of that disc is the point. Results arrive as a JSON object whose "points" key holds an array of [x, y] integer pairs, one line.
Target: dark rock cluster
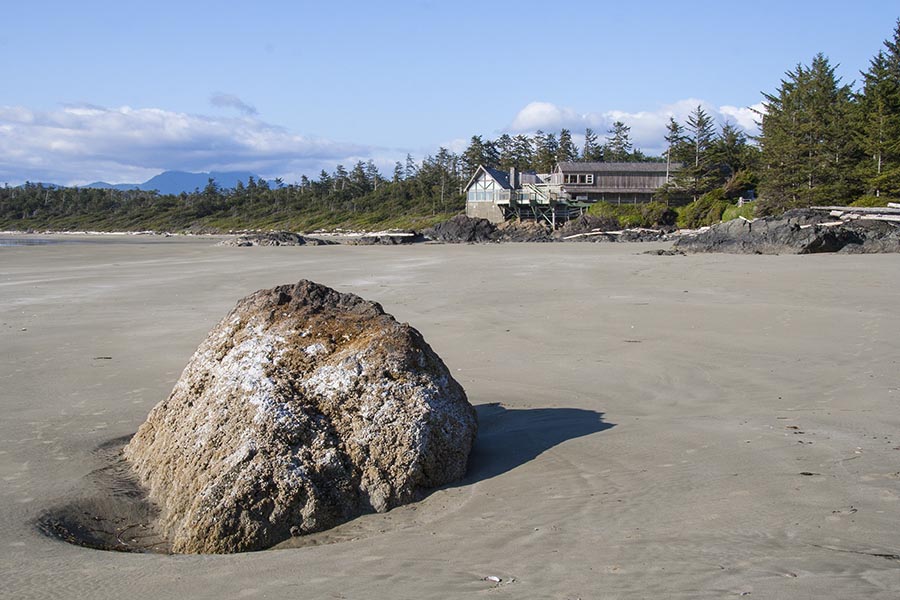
{"points": [[795, 232]]}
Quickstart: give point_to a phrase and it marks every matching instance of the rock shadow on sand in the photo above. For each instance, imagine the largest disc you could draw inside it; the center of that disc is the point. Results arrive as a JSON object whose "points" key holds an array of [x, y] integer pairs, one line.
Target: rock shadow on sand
{"points": [[510, 437]]}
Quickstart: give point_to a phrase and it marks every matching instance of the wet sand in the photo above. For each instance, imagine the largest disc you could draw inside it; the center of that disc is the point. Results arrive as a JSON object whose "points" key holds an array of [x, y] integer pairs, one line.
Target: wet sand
{"points": [[651, 426]]}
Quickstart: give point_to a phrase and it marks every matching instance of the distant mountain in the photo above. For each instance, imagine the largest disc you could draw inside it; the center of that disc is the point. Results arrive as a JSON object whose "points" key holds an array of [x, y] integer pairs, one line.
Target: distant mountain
{"points": [[175, 182]]}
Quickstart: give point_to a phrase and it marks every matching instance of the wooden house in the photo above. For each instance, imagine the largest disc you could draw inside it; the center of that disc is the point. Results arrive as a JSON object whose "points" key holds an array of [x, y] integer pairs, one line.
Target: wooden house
{"points": [[563, 194], [611, 182]]}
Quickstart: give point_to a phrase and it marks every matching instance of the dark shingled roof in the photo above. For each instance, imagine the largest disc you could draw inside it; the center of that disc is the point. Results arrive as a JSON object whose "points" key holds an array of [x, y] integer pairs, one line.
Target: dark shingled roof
{"points": [[499, 176], [636, 167]]}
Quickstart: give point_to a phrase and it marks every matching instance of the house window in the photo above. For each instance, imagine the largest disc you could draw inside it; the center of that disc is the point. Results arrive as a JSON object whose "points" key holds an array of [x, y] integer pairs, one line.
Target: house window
{"points": [[580, 178]]}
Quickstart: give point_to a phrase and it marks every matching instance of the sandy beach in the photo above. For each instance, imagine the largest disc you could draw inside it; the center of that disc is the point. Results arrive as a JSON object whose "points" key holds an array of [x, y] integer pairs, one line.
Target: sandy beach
{"points": [[704, 426]]}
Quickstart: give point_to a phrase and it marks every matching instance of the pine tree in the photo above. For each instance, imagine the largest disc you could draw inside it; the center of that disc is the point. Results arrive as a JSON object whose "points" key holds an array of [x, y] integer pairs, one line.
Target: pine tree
{"points": [[732, 160], [373, 175], [359, 178], [523, 153], [591, 151], [546, 147], [505, 151], [807, 154], [675, 140], [479, 152], [410, 169], [444, 162], [618, 143], [700, 131], [566, 151], [878, 121], [697, 175]]}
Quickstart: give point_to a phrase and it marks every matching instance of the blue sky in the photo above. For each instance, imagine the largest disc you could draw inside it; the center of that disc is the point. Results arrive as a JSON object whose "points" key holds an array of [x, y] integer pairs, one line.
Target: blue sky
{"points": [[120, 91]]}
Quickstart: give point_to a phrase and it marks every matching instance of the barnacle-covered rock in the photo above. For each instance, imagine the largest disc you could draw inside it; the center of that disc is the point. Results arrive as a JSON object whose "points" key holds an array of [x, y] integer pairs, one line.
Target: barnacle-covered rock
{"points": [[303, 408]]}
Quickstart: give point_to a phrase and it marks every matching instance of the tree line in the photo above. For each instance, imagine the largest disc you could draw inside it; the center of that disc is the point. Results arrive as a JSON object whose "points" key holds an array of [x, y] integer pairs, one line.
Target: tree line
{"points": [[416, 194], [820, 142]]}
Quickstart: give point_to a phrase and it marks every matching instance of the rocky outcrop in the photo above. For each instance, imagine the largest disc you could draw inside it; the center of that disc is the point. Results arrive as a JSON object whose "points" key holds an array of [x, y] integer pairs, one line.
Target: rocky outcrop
{"points": [[878, 237], [795, 232], [276, 238], [587, 224], [302, 408], [462, 229], [523, 231], [586, 228], [386, 239]]}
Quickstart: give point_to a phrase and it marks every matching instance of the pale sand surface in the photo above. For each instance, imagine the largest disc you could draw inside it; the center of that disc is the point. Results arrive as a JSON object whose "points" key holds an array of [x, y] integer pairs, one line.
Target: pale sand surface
{"points": [[643, 446]]}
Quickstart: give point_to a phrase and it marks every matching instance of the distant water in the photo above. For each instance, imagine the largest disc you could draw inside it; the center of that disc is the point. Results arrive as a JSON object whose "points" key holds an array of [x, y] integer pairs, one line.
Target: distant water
{"points": [[30, 242]]}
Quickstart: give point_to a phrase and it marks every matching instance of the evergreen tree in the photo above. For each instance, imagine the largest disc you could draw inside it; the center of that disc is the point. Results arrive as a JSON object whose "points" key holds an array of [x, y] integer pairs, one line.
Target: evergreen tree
{"points": [[675, 157], [359, 178], [878, 121], [675, 144], [700, 131], [445, 164], [523, 153], [325, 182], [591, 151], [411, 169], [506, 151], [618, 143], [340, 178], [697, 176], [545, 149], [372, 174], [807, 154], [566, 150], [733, 160], [479, 152], [212, 189]]}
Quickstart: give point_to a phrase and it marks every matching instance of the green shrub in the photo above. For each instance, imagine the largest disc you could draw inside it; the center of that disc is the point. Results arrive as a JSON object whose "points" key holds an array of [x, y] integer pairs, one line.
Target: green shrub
{"points": [[657, 214], [873, 201], [706, 210], [748, 211], [607, 213], [631, 220], [653, 214]]}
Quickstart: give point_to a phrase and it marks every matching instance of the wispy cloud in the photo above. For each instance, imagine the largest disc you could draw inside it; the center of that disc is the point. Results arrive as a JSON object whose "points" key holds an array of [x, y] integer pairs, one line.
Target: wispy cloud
{"points": [[223, 100], [648, 128], [77, 144]]}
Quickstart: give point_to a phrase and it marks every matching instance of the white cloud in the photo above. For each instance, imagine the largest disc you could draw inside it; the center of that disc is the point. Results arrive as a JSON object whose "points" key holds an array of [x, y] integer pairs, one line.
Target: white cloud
{"points": [[648, 128], [746, 117], [79, 144], [544, 115]]}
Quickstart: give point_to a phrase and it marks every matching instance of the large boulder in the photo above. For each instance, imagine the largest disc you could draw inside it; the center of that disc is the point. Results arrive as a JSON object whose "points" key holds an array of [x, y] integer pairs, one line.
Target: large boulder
{"points": [[302, 408]]}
